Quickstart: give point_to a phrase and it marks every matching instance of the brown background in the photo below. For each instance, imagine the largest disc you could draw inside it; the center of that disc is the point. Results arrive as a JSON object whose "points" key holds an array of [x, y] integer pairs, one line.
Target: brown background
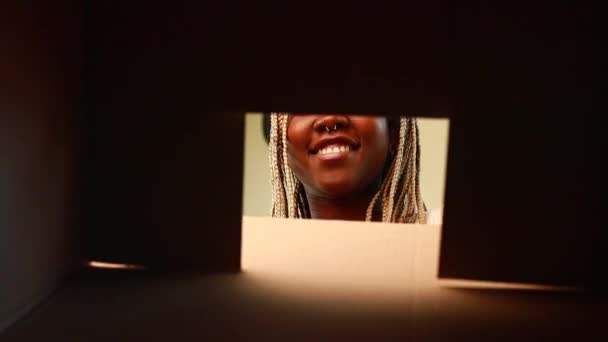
{"points": [[121, 140], [40, 240], [137, 109], [524, 174]]}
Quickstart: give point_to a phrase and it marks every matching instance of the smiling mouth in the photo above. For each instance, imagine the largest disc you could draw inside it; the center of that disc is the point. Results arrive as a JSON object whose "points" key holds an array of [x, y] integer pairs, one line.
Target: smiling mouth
{"points": [[335, 150]]}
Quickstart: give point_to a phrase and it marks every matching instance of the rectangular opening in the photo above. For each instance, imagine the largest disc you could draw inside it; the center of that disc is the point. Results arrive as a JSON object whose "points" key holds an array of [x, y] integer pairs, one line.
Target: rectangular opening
{"points": [[300, 247], [346, 252], [433, 134]]}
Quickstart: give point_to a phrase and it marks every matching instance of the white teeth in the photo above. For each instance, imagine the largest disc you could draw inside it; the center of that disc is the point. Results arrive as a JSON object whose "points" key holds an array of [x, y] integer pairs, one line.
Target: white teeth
{"points": [[334, 149]]}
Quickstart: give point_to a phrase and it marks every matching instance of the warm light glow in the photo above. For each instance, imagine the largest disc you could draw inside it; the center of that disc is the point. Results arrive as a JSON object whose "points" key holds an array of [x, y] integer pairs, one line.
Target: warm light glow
{"points": [[101, 264], [350, 257], [343, 258], [495, 285]]}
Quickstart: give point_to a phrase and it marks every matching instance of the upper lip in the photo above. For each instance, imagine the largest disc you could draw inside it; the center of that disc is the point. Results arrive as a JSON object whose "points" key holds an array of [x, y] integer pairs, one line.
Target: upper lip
{"points": [[333, 140]]}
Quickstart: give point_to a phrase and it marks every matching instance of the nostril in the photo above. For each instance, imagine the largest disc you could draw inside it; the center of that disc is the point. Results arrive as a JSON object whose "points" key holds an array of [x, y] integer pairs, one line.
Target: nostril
{"points": [[331, 123], [331, 128], [339, 125]]}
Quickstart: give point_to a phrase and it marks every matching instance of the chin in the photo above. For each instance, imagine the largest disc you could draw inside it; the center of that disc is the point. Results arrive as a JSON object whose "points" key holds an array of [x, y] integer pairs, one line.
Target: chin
{"points": [[337, 190]]}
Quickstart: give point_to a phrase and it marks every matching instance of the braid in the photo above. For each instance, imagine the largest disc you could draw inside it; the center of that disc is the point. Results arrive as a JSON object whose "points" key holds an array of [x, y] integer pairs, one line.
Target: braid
{"points": [[278, 190], [284, 164], [399, 195], [401, 201], [398, 199], [389, 214], [419, 202], [286, 194], [290, 179]]}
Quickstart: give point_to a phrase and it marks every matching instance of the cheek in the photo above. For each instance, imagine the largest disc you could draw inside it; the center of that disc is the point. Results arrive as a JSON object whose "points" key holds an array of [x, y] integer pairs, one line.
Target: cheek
{"points": [[294, 157], [299, 164], [374, 134], [298, 137], [298, 133]]}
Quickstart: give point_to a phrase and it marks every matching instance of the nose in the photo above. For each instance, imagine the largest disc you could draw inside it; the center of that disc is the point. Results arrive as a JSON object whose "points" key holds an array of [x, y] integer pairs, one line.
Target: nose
{"points": [[331, 123]]}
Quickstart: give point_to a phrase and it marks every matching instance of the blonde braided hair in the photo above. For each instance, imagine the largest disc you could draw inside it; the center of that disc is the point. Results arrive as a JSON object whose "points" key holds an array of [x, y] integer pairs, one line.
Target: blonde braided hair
{"points": [[398, 200]]}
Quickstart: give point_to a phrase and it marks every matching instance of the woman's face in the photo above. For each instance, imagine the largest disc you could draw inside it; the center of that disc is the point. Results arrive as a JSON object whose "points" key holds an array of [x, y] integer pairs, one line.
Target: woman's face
{"points": [[337, 155]]}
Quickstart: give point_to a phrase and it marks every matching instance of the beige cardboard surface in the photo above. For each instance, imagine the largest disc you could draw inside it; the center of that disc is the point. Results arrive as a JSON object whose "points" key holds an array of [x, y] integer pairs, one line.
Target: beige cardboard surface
{"points": [[311, 280]]}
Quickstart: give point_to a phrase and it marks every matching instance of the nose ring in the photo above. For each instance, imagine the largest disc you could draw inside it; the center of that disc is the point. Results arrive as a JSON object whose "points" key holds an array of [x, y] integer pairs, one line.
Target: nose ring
{"points": [[329, 129]]}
